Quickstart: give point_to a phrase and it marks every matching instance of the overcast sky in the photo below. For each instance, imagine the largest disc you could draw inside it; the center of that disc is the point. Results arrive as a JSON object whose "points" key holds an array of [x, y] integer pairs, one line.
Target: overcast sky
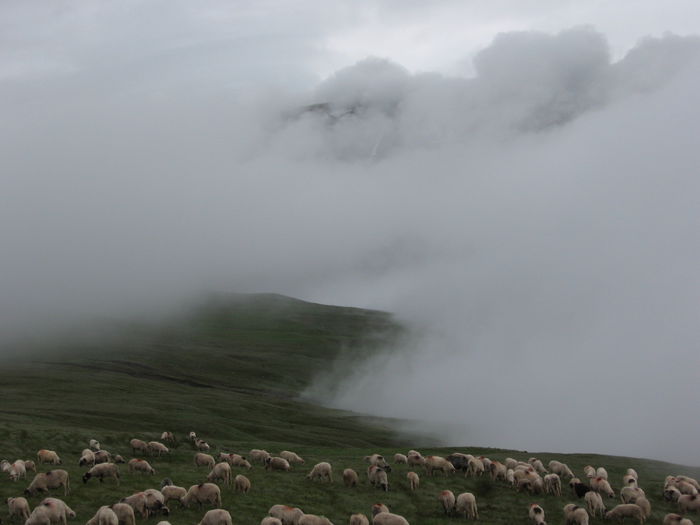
{"points": [[516, 180]]}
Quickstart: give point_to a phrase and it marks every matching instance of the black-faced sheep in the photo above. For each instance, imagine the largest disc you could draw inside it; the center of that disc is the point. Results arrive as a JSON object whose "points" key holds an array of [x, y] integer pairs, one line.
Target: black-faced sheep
{"points": [[536, 514]]}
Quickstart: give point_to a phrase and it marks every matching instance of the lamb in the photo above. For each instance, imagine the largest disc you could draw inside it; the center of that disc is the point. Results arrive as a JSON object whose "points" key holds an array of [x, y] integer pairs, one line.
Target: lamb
{"points": [[321, 471], [536, 514], [203, 493], [466, 504], [561, 469], [173, 492], [259, 456], [447, 500], [398, 459], [552, 485], [689, 503], [241, 484], [102, 456], [104, 516], [204, 460], [630, 494], [157, 449], [358, 519], [413, 480], [350, 477], [125, 513], [275, 463], [676, 519], [87, 458], [575, 515], [287, 515], [101, 471], [643, 503], [168, 437], [48, 456], [625, 510], [387, 518], [312, 519], [45, 481], [141, 465], [438, 463], [270, 521], [217, 517], [595, 505], [220, 472], [19, 507], [138, 445], [376, 459], [18, 470], [292, 457]]}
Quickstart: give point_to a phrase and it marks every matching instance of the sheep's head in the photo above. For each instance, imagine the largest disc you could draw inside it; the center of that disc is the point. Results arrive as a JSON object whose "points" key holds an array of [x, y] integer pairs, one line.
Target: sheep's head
{"points": [[86, 477]]}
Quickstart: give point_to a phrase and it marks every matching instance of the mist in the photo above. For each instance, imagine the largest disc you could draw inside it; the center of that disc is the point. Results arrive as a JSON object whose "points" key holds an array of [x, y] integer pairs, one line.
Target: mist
{"points": [[532, 222]]}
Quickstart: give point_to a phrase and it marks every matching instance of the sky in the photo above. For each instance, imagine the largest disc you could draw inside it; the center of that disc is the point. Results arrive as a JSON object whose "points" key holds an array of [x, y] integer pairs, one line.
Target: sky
{"points": [[515, 180]]}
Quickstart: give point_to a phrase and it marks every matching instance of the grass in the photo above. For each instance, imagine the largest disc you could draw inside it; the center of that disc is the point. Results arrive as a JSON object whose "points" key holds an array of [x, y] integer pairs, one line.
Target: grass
{"points": [[231, 370]]}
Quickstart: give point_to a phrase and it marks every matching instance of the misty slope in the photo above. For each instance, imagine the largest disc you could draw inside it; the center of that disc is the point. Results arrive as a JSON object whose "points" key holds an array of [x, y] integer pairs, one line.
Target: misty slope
{"points": [[230, 369]]}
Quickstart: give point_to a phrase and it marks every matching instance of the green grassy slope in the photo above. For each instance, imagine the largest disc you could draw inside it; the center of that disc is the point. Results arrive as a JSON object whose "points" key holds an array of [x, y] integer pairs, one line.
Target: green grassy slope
{"points": [[230, 371]]}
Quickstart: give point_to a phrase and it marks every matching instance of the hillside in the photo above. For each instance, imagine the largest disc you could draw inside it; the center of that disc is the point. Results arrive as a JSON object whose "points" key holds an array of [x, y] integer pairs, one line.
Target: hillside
{"points": [[230, 370]]}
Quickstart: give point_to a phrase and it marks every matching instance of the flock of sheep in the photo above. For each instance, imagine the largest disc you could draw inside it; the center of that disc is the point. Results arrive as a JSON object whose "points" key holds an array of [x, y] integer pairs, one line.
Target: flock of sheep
{"points": [[524, 476]]}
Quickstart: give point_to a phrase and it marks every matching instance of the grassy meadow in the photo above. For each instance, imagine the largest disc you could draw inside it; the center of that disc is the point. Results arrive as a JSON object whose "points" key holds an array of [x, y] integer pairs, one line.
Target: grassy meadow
{"points": [[231, 370]]}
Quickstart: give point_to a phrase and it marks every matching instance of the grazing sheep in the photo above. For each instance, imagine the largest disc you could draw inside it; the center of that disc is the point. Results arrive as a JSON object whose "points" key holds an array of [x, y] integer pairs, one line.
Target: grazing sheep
{"points": [[201, 445], [690, 480], [643, 503], [595, 505], [204, 460], [413, 480], [537, 465], [377, 477], [438, 463], [387, 518], [685, 488], [87, 458], [358, 519], [676, 519], [629, 481], [601, 473], [625, 510], [321, 471], [510, 463], [155, 501], [415, 460], [379, 507], [552, 485], [399, 459], [5, 466], [270, 521], [220, 472], [575, 515], [29, 465], [630, 494], [235, 460], [19, 507], [292, 457], [101, 471], [48, 456], [286, 514], [312, 519], [125, 513], [141, 465], [58, 509], [203, 493], [447, 500], [536, 514], [556, 467], [510, 477], [475, 467], [275, 463], [602, 486], [138, 445], [168, 437], [102, 456], [350, 477], [45, 481], [173, 492], [157, 449], [498, 471], [589, 471], [376, 459], [217, 517], [241, 484], [466, 504], [259, 456], [104, 516], [671, 494], [689, 503], [18, 470], [137, 502]]}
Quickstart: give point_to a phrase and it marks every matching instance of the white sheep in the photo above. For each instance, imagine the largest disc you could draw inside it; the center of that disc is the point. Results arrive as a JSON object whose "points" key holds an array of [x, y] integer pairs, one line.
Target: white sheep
{"points": [[536, 514], [192, 436], [358, 519], [630, 494], [350, 477], [400, 459], [157, 449], [377, 477], [203, 493], [48, 456], [625, 510], [376, 459], [601, 473], [632, 472], [168, 437], [286, 514], [29, 465], [510, 477], [19, 506], [138, 445], [138, 503], [552, 484], [204, 460], [18, 470], [259, 456], [102, 471], [689, 503], [601, 485], [94, 444], [141, 465], [575, 515], [321, 471], [589, 471], [173, 493], [45, 481], [415, 460], [378, 507], [201, 445], [447, 500], [466, 504], [676, 519], [387, 518], [413, 480], [671, 494], [433, 463], [241, 484], [276, 463], [475, 467], [292, 457], [560, 468], [104, 516], [58, 509], [220, 472], [125, 513], [269, 520], [498, 471], [312, 519], [643, 503], [87, 458], [217, 517], [102, 456], [595, 504]]}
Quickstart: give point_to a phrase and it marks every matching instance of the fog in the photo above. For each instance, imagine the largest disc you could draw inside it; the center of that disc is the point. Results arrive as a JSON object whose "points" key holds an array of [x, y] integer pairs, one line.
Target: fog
{"points": [[532, 222]]}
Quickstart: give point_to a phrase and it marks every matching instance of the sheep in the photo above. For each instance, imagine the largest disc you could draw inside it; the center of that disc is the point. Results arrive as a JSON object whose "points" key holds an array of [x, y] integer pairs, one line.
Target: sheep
{"points": [[594, 503], [45, 481], [137, 502], [141, 465], [155, 501], [510, 463], [235, 460], [689, 503], [201, 445], [475, 467], [643, 503], [377, 477], [387, 518], [48, 456], [536, 514], [601, 473], [222, 472], [633, 473], [104, 516], [275, 463], [630, 494], [101, 471], [192, 436], [312, 519], [378, 507], [438, 463], [510, 477], [19, 506], [5, 466], [556, 467], [157, 449], [400, 459], [413, 480], [552, 485], [287, 515], [241, 484], [690, 480], [358, 519], [203, 493], [173, 492], [629, 481], [447, 500], [259, 456], [18, 470], [217, 517], [589, 471], [269, 520], [625, 510], [676, 519], [601, 485], [29, 465], [87, 458], [102, 456], [466, 504], [498, 471], [415, 460], [376, 459], [292, 457], [350, 477], [168, 437], [163, 523], [58, 509], [204, 460], [321, 471], [138, 445], [94, 444], [671, 494], [125, 513], [575, 515], [686, 488], [537, 465]]}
